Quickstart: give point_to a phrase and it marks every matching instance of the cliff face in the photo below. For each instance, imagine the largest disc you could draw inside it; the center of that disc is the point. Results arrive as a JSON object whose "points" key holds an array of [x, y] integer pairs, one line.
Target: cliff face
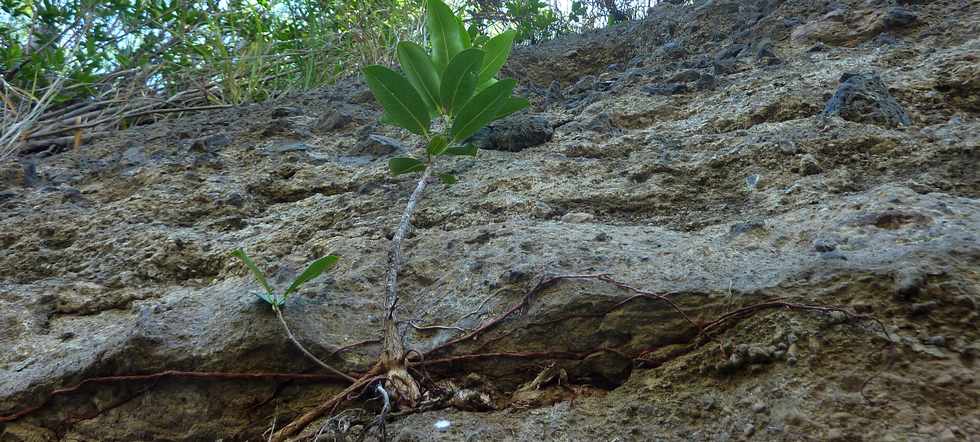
{"points": [[721, 154]]}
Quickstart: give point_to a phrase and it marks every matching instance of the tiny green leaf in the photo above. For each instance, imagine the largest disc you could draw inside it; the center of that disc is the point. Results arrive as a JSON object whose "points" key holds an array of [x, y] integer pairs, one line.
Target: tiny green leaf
{"points": [[497, 49], [468, 150], [402, 104], [420, 72], [444, 33], [447, 179], [259, 276], [437, 146], [481, 109], [403, 165], [511, 105], [459, 79], [270, 298], [315, 269]]}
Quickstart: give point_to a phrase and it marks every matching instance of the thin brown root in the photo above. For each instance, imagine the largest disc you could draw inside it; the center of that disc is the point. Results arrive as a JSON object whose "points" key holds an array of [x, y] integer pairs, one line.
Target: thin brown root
{"points": [[169, 374]]}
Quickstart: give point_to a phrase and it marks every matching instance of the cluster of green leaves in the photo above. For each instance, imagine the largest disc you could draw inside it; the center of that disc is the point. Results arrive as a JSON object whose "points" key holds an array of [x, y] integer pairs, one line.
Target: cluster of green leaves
{"points": [[454, 79], [278, 300]]}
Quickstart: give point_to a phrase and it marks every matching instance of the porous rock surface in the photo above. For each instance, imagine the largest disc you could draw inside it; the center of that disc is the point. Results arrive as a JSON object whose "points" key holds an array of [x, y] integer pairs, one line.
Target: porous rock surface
{"points": [[736, 189]]}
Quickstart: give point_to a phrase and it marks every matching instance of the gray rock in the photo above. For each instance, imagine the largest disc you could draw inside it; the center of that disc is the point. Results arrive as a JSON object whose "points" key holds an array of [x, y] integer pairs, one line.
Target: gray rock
{"points": [[554, 92], [707, 82], [378, 146], [899, 18], [672, 50], [665, 89], [577, 218], [909, 283], [515, 133], [864, 98], [332, 120], [586, 84], [17, 174], [809, 165], [938, 341], [286, 111], [765, 54], [923, 308], [210, 143], [362, 96], [685, 76], [824, 245], [759, 355]]}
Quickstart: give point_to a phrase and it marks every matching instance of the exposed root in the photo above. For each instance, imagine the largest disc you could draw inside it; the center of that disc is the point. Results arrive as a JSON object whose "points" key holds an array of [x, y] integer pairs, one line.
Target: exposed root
{"points": [[217, 376], [398, 387], [327, 407]]}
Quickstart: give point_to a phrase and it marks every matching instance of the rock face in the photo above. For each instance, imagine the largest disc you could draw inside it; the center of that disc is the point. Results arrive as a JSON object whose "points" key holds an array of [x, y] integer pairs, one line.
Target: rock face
{"points": [[116, 257], [515, 133], [865, 99]]}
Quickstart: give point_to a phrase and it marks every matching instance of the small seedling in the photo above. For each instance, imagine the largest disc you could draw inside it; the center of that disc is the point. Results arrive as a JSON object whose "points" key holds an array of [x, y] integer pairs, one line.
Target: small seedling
{"points": [[276, 300], [453, 80]]}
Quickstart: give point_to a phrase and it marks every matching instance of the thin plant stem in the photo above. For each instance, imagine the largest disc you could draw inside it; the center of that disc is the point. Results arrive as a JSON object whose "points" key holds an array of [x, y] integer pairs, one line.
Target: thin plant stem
{"points": [[307, 352], [393, 345]]}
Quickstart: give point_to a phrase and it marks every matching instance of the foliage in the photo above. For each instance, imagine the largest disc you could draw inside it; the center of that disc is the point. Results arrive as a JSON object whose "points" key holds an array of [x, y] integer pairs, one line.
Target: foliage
{"points": [[250, 48], [454, 80], [243, 50], [275, 300]]}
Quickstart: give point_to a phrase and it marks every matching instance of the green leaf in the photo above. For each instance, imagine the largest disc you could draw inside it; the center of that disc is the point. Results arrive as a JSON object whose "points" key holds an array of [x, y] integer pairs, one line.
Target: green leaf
{"points": [[481, 109], [402, 165], [259, 276], [459, 79], [497, 49], [315, 269], [511, 105], [402, 104], [447, 179], [468, 150], [473, 31], [270, 298], [420, 72], [464, 34], [485, 85], [444, 33], [437, 146]]}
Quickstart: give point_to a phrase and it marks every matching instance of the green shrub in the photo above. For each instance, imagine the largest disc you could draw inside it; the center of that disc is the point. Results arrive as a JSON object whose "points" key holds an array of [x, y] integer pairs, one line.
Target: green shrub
{"points": [[454, 80]]}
